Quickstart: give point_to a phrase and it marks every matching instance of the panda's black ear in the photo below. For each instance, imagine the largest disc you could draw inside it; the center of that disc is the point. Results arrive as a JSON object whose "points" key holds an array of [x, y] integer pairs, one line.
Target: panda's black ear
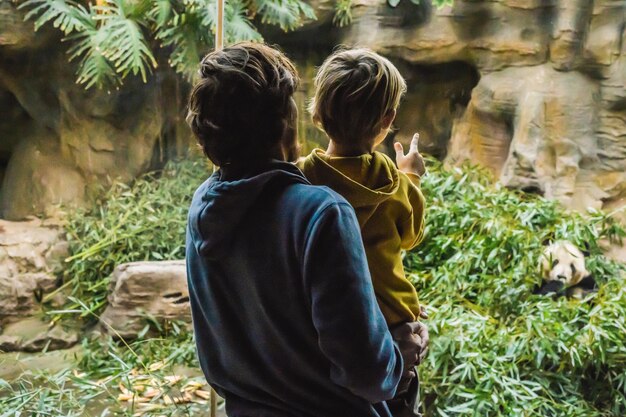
{"points": [[588, 283], [586, 251], [550, 287], [547, 241]]}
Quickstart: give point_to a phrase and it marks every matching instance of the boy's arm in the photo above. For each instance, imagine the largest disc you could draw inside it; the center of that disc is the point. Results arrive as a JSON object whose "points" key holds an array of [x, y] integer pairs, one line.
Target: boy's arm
{"points": [[412, 228], [412, 165], [352, 332]]}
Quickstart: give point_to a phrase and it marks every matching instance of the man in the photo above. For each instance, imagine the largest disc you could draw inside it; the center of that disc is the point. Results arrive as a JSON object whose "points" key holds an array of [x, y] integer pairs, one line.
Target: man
{"points": [[285, 317]]}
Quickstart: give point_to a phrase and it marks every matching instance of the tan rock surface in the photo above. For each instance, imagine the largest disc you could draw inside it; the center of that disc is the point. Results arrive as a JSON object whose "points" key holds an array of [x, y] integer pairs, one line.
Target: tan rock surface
{"points": [[549, 111], [30, 255], [34, 335], [60, 141], [142, 290]]}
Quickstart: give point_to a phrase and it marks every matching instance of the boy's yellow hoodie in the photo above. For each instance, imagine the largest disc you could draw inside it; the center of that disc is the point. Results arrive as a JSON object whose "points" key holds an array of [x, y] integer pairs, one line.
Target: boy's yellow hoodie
{"points": [[390, 208]]}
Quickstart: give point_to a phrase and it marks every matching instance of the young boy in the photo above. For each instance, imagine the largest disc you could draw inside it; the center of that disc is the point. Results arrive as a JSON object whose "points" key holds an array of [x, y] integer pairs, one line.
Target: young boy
{"points": [[357, 93]]}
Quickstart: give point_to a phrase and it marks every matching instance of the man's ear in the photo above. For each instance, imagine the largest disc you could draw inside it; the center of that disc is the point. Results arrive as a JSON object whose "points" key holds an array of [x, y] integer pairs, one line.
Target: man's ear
{"points": [[388, 119]]}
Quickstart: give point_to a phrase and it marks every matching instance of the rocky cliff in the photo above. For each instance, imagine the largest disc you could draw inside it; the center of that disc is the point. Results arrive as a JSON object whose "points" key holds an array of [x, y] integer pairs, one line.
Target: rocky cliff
{"points": [[533, 89], [59, 142]]}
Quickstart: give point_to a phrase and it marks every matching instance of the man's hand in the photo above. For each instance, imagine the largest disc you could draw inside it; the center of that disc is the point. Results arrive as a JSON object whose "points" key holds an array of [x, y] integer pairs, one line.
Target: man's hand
{"points": [[412, 162], [422, 332], [412, 340]]}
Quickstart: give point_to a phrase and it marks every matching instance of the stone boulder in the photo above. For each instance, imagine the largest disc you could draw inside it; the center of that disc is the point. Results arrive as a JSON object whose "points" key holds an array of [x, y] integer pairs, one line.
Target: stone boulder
{"points": [[31, 256], [31, 253], [141, 292], [34, 335], [535, 127]]}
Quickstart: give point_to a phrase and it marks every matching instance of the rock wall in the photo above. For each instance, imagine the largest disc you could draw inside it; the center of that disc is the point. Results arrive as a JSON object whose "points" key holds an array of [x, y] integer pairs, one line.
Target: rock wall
{"points": [[533, 89], [59, 142], [549, 111]]}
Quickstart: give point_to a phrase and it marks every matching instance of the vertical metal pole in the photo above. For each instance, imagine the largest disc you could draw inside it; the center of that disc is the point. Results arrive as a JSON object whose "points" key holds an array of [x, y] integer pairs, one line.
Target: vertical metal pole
{"points": [[219, 28], [219, 44], [213, 403]]}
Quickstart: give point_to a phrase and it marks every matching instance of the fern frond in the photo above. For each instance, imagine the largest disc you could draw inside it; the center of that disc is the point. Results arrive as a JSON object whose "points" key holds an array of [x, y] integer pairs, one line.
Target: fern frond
{"points": [[239, 27], [343, 13], [124, 45], [188, 38], [65, 15], [287, 14]]}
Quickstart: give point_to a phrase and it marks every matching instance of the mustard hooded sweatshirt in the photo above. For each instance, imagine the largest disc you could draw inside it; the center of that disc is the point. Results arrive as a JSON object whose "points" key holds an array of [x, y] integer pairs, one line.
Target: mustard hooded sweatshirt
{"points": [[390, 209]]}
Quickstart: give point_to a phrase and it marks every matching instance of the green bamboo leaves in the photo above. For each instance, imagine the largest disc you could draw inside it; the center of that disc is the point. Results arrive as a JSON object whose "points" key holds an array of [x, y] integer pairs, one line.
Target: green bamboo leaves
{"points": [[497, 349]]}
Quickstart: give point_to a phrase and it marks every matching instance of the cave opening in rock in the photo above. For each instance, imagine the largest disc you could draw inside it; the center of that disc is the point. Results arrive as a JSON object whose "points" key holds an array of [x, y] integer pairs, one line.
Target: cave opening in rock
{"points": [[4, 162], [12, 125], [437, 95]]}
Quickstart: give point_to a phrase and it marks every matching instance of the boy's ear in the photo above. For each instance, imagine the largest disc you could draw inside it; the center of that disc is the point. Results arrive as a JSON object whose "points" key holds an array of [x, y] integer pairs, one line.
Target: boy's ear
{"points": [[388, 119]]}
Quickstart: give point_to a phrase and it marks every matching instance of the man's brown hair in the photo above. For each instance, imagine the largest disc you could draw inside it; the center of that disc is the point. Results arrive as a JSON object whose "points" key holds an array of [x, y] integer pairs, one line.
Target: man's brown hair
{"points": [[241, 106], [354, 90]]}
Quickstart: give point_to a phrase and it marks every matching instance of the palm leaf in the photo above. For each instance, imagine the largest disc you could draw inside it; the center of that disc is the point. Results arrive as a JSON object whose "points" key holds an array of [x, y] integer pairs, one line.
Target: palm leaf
{"points": [[124, 43], [161, 12], [94, 69], [188, 39], [284, 13], [239, 27], [65, 15]]}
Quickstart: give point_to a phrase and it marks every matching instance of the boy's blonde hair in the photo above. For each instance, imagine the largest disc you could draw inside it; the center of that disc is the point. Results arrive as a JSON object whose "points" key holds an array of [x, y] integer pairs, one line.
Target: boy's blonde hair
{"points": [[354, 90]]}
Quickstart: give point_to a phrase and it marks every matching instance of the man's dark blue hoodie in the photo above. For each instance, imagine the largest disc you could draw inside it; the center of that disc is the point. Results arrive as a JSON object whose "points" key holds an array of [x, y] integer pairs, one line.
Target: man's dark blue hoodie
{"points": [[285, 318]]}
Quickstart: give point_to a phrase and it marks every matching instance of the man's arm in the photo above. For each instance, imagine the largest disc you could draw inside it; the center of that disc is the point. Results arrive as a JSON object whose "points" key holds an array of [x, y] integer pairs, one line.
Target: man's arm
{"points": [[352, 332]]}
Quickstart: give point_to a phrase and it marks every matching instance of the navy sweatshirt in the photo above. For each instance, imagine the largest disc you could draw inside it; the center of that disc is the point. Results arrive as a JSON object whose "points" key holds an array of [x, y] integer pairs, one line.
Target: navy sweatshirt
{"points": [[284, 313]]}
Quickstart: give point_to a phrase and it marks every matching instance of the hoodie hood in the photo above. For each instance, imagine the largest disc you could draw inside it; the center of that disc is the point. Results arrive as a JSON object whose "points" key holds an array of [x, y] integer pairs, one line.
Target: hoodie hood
{"points": [[218, 207], [365, 180]]}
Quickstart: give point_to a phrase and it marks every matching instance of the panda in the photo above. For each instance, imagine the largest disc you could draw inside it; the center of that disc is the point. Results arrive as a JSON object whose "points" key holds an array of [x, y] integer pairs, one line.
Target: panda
{"points": [[564, 272]]}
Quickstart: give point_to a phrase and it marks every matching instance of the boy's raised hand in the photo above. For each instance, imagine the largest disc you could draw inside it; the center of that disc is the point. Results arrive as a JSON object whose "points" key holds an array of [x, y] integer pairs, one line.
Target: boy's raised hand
{"points": [[412, 162]]}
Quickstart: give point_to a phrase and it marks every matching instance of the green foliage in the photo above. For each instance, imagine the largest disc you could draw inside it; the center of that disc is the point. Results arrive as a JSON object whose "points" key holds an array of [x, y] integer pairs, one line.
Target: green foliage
{"points": [[497, 349], [144, 221], [343, 13], [116, 38], [121, 37], [106, 372]]}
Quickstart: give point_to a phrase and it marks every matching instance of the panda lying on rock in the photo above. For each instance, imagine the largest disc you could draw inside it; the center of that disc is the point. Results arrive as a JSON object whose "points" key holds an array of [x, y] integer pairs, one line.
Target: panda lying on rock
{"points": [[564, 273]]}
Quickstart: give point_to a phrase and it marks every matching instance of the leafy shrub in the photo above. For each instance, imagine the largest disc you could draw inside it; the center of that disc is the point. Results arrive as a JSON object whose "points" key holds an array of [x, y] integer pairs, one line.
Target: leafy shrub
{"points": [[142, 222], [496, 349]]}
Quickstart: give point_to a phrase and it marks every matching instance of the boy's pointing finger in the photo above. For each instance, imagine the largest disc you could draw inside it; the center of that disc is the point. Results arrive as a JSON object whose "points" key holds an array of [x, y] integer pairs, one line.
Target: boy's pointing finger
{"points": [[415, 143]]}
